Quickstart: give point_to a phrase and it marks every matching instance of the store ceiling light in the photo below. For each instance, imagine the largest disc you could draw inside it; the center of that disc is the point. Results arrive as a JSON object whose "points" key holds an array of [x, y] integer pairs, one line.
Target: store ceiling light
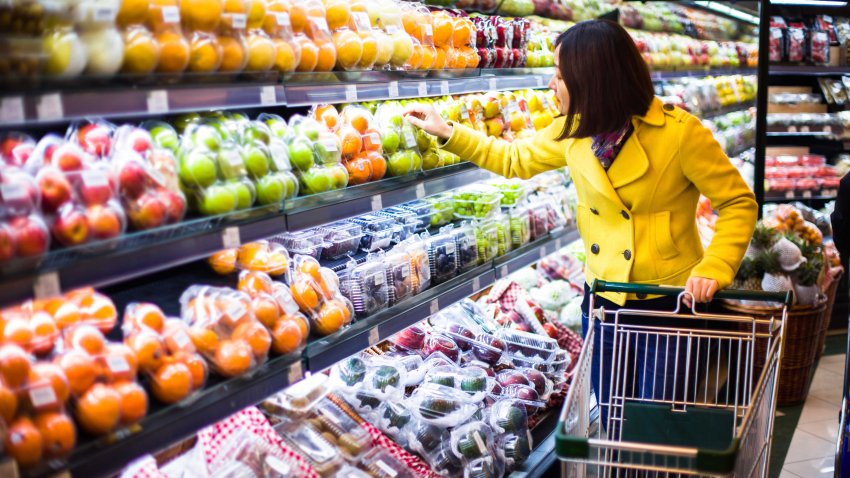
{"points": [[727, 10], [811, 3]]}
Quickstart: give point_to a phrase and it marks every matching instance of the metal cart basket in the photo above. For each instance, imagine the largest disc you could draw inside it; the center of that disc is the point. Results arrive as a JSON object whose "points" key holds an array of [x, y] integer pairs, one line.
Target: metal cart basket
{"points": [[682, 393]]}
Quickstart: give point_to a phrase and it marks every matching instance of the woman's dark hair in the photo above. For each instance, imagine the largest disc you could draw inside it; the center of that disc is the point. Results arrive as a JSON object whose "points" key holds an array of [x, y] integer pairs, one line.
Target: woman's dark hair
{"points": [[607, 79]]}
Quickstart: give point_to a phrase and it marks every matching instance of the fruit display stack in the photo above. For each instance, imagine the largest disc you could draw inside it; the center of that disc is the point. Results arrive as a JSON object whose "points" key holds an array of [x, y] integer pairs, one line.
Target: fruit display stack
{"points": [[735, 131], [803, 41], [702, 96], [805, 175]]}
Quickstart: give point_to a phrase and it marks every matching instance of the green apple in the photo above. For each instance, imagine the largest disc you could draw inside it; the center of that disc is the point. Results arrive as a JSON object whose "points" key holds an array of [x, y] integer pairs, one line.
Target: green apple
{"points": [[217, 199], [244, 192], [301, 154], [206, 135], [396, 120], [328, 150], [340, 176], [197, 168], [424, 141], [399, 164], [257, 131], [183, 122], [389, 141], [164, 136], [277, 126], [415, 160], [431, 159], [316, 180], [309, 128], [271, 189], [231, 163], [291, 183], [257, 160]]}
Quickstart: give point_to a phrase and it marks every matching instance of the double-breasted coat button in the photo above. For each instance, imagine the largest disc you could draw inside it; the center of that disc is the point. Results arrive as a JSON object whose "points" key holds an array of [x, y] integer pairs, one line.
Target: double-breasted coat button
{"points": [[625, 215], [641, 295], [594, 248], [627, 254], [668, 107], [594, 211]]}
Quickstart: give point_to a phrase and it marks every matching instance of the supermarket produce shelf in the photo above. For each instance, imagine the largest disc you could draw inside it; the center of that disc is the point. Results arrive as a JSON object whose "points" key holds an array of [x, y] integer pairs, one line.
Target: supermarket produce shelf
{"points": [[727, 109], [531, 253], [137, 254], [807, 70], [673, 74], [802, 198]]}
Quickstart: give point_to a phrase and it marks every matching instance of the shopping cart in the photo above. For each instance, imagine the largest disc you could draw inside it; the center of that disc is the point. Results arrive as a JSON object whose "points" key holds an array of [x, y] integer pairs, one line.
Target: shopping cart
{"points": [[699, 402]]}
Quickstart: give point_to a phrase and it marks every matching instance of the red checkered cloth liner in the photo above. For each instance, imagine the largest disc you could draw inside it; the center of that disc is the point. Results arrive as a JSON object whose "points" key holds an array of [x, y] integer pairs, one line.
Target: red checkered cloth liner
{"points": [[251, 420], [413, 462], [504, 293], [144, 467]]}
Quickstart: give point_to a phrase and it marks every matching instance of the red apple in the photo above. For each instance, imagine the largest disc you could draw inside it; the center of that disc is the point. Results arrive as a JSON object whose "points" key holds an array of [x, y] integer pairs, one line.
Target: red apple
{"points": [[95, 187], [105, 221], [175, 205], [147, 212], [68, 157], [16, 149], [7, 242], [21, 154], [71, 227], [139, 140], [55, 189], [30, 235], [95, 139], [132, 179]]}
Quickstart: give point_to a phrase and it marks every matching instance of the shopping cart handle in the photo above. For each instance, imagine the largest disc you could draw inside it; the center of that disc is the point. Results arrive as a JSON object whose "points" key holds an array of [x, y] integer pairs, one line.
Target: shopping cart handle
{"points": [[651, 289]]}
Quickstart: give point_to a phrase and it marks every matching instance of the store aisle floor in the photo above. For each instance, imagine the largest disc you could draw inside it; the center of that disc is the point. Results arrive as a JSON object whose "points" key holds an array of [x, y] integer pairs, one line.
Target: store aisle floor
{"points": [[811, 451]]}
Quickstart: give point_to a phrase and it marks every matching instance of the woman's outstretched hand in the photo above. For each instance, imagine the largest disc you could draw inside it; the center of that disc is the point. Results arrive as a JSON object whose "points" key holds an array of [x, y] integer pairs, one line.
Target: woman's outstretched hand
{"points": [[426, 118]]}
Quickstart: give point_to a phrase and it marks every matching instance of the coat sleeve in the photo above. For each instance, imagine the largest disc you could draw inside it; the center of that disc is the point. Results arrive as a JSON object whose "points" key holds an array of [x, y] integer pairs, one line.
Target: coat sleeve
{"points": [[522, 158], [706, 165]]}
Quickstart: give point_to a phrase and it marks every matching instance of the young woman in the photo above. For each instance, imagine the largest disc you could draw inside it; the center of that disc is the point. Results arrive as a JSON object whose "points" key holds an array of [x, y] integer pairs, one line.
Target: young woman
{"points": [[639, 167]]}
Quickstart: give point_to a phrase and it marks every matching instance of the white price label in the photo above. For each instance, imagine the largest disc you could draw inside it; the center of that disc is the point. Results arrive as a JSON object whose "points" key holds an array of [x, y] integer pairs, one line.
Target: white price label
{"points": [[170, 15], [450, 248], [49, 107], [379, 279], [789, 195], [464, 112], [280, 157], [282, 19], [558, 244], [12, 192], [350, 93], [158, 101], [12, 110], [409, 139], [493, 84], [46, 286], [387, 469], [540, 81], [330, 145], [94, 178], [435, 306], [233, 158], [104, 14], [268, 95], [792, 129], [117, 364], [230, 238], [295, 373], [429, 30], [504, 272], [804, 129], [377, 203], [392, 29], [374, 337], [479, 442], [807, 194], [405, 270], [182, 340], [42, 396], [420, 191], [239, 20], [393, 89], [422, 88], [444, 88], [361, 21], [476, 284], [372, 140]]}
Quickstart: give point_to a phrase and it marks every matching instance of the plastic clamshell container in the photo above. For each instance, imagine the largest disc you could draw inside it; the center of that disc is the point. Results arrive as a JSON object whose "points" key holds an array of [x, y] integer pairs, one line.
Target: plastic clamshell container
{"points": [[378, 231], [381, 464], [420, 265], [341, 239], [309, 243], [322, 456], [442, 211], [424, 212], [351, 439], [467, 249], [349, 374], [442, 257], [538, 216], [537, 379], [487, 467], [520, 226], [508, 416], [527, 344], [476, 202], [441, 406], [443, 461], [348, 471], [366, 401], [297, 399], [411, 339], [472, 441], [487, 240], [503, 234], [443, 344], [513, 191], [393, 418], [438, 359], [385, 379], [406, 220], [515, 449], [425, 437], [471, 380], [524, 394], [414, 369], [399, 271], [368, 288]]}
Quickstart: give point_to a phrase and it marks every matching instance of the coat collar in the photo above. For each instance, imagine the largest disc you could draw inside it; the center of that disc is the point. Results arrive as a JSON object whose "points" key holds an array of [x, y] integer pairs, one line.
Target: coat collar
{"points": [[654, 115]]}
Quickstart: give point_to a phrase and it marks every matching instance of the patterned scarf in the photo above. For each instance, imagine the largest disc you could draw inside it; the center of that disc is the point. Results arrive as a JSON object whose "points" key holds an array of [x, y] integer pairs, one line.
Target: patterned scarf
{"points": [[607, 146]]}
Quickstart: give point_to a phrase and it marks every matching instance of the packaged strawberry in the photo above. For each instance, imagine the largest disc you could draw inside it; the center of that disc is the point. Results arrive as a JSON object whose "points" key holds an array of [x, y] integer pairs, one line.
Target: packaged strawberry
{"points": [[165, 352], [224, 330]]}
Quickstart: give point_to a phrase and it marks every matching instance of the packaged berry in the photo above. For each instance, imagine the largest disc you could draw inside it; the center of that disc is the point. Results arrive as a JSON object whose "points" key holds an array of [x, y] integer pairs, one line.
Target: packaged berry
{"points": [[400, 272], [341, 239], [407, 221], [307, 243], [442, 209], [442, 257], [465, 242], [795, 41], [365, 285], [819, 47], [378, 231], [487, 240], [423, 210], [538, 215]]}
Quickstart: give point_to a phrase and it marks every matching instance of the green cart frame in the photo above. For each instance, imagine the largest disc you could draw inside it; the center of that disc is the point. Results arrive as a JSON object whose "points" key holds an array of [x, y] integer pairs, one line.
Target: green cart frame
{"points": [[714, 419]]}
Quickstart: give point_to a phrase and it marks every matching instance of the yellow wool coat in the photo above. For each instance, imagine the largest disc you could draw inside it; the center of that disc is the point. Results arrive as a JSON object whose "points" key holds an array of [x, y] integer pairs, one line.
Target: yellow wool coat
{"points": [[637, 220]]}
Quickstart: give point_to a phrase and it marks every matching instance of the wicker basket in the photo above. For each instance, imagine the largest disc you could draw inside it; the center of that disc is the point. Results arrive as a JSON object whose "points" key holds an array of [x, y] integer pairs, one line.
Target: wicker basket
{"points": [[802, 329], [831, 293]]}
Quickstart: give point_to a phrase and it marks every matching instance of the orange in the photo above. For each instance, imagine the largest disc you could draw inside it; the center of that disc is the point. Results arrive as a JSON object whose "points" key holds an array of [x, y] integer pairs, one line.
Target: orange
{"points": [[14, 365], [58, 433], [326, 56], [328, 115], [311, 267], [235, 6], [86, 338], [305, 295], [351, 140], [255, 335], [101, 312], [99, 409], [197, 367], [429, 56], [46, 374], [358, 120], [173, 52], [262, 52], [23, 442], [471, 55], [370, 51], [149, 350], [141, 51], [132, 12], [248, 252], [270, 24], [301, 10], [18, 331], [410, 19], [66, 314], [8, 404], [134, 402], [439, 58], [205, 340], [172, 382], [203, 15], [234, 311], [278, 263], [349, 49], [286, 336], [415, 59], [442, 29], [256, 13], [288, 55], [156, 18], [309, 54], [118, 363], [254, 283], [461, 32], [330, 319], [146, 315], [205, 53], [337, 13], [223, 262], [359, 170], [266, 310], [379, 164], [302, 323], [346, 313], [79, 368], [81, 297], [371, 140], [233, 357], [176, 337], [234, 56]]}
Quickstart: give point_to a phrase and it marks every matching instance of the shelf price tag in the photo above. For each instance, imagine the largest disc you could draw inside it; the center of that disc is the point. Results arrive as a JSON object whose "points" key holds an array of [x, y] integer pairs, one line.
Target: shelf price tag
{"points": [[295, 373], [393, 89], [49, 107], [444, 88], [422, 88], [539, 81], [374, 337], [542, 252], [350, 93], [493, 84], [158, 101], [230, 238], [504, 272], [268, 95], [46, 285], [435, 306], [377, 203], [558, 244], [12, 110], [476, 284], [420, 191], [807, 194]]}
